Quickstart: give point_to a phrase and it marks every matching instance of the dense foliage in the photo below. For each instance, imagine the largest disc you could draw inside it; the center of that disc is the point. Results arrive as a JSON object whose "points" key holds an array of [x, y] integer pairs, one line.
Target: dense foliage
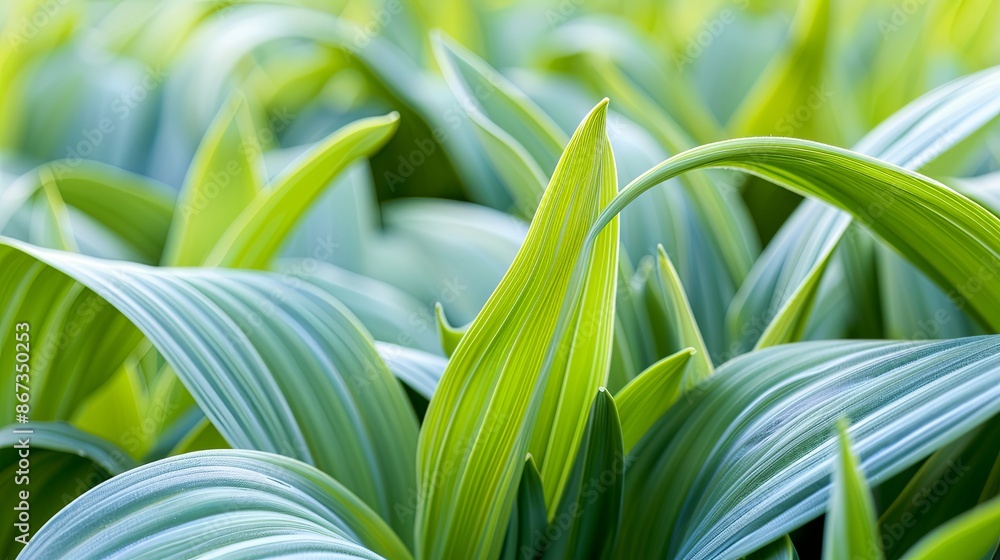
{"points": [[500, 279]]}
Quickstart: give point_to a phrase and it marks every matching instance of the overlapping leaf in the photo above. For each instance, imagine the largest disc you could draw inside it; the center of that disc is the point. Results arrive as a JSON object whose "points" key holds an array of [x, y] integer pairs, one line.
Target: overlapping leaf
{"points": [[748, 457], [238, 504], [500, 396], [275, 363]]}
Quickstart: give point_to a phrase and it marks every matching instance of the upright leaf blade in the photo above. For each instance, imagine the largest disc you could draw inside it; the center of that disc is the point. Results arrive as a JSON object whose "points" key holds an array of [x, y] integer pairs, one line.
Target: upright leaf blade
{"points": [[644, 400], [225, 176], [254, 238], [850, 531], [589, 513], [495, 401]]}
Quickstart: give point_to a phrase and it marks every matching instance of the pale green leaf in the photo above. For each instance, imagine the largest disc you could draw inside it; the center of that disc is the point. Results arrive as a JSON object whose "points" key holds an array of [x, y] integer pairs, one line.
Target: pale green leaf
{"points": [[450, 336], [849, 531], [495, 403], [971, 536], [294, 374], [747, 458], [254, 238], [225, 176], [234, 504], [683, 327], [644, 400]]}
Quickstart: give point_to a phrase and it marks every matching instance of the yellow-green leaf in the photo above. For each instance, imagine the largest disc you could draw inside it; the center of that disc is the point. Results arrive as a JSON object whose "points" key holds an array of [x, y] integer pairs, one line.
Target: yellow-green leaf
{"points": [[503, 393]]}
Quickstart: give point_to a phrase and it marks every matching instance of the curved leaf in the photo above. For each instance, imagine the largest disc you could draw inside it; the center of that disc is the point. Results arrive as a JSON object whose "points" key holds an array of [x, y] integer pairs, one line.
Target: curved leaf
{"points": [[139, 219], [450, 336], [849, 531], [777, 296], [972, 536], [257, 234], [488, 410], [748, 457], [949, 237], [275, 363], [647, 397], [421, 371], [228, 503]]}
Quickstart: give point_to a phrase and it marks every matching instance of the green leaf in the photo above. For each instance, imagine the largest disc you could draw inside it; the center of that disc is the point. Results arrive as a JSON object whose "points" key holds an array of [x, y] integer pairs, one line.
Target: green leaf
{"points": [[792, 81], [849, 531], [970, 536], [225, 176], [494, 403], [50, 221], [683, 328], [589, 514], [946, 235], [491, 99], [529, 518], [450, 336], [444, 251], [778, 295], [62, 463], [254, 238], [950, 482], [747, 458], [727, 223], [421, 371], [388, 313], [275, 363], [239, 504], [521, 141], [647, 397], [62, 437]]}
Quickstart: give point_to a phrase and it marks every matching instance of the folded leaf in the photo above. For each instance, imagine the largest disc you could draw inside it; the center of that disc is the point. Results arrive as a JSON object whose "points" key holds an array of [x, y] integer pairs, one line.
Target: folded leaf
{"points": [[499, 397], [225, 503], [275, 363]]}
